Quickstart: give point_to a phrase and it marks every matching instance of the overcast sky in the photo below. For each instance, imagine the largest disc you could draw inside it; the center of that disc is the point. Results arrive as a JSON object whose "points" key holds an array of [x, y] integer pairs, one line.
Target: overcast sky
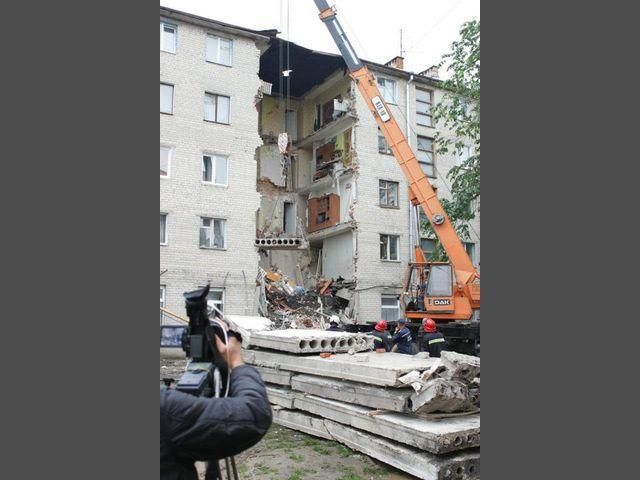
{"points": [[373, 26]]}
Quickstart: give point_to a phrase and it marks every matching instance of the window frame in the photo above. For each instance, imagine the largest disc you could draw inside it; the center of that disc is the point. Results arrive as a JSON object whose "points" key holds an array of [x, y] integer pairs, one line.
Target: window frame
{"points": [[219, 302], [387, 307], [395, 89], [388, 252], [166, 229], [164, 23], [430, 103], [386, 188], [212, 233], [216, 97], [173, 92], [206, 50], [169, 160], [433, 155], [215, 156], [388, 151]]}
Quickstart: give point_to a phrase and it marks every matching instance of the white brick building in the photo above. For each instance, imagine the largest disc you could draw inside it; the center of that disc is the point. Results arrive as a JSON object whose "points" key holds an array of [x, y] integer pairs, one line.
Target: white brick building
{"points": [[208, 138]]}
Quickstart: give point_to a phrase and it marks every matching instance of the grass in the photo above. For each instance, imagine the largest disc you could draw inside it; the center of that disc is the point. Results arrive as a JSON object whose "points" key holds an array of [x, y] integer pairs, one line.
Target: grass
{"points": [[296, 458], [297, 475]]}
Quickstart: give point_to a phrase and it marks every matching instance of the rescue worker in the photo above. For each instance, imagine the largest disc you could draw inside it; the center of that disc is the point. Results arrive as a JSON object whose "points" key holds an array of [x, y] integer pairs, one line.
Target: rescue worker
{"points": [[432, 341], [382, 341], [402, 338]]}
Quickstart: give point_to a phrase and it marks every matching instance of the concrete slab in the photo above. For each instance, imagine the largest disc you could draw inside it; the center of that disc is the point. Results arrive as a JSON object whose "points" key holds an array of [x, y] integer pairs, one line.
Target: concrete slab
{"points": [[394, 399], [432, 435], [441, 395], [301, 422], [370, 367], [459, 366], [246, 325], [311, 341], [276, 376], [459, 466], [280, 396]]}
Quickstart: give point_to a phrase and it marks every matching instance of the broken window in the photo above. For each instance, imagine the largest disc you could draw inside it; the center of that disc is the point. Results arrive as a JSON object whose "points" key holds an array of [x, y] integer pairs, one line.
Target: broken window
{"points": [[212, 233], [389, 90], [215, 169], [166, 98], [219, 50], [216, 108], [165, 160], [168, 33], [383, 146], [390, 310], [423, 108], [389, 247], [388, 193], [163, 229], [425, 155]]}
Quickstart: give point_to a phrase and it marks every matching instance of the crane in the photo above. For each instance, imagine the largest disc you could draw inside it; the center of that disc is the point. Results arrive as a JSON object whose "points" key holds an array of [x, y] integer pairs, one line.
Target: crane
{"points": [[444, 291]]}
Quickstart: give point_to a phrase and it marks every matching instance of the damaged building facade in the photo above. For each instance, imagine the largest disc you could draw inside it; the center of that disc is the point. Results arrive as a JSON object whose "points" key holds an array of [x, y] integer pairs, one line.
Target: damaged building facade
{"points": [[322, 210], [334, 202]]}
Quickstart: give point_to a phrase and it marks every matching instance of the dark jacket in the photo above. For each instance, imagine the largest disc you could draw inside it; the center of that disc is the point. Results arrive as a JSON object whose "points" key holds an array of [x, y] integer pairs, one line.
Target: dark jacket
{"points": [[433, 343], [404, 341], [201, 429], [382, 340]]}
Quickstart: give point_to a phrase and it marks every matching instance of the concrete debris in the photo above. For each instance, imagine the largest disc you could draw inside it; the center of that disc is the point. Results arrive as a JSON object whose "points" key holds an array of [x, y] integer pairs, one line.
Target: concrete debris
{"points": [[440, 395], [369, 367], [280, 396], [423, 465], [432, 435], [247, 325], [459, 366], [275, 376], [393, 399], [311, 341]]}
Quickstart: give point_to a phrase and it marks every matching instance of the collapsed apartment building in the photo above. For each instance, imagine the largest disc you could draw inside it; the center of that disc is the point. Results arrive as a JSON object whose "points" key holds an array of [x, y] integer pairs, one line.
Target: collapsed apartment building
{"points": [[334, 203], [329, 218]]}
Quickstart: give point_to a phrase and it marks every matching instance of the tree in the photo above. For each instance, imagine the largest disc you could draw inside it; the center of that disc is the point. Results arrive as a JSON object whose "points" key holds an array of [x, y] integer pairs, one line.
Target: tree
{"points": [[459, 112]]}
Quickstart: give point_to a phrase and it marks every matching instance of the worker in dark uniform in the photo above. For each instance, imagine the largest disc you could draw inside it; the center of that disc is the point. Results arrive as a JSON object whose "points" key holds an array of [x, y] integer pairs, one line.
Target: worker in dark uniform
{"points": [[402, 338], [432, 341], [382, 341]]}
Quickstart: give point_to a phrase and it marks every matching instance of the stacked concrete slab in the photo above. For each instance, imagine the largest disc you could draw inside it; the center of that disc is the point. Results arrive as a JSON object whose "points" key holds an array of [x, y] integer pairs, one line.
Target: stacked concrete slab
{"points": [[311, 341], [366, 401]]}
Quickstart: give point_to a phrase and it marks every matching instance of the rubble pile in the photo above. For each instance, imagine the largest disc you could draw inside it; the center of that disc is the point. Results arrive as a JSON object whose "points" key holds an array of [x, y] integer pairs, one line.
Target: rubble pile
{"points": [[292, 306]]}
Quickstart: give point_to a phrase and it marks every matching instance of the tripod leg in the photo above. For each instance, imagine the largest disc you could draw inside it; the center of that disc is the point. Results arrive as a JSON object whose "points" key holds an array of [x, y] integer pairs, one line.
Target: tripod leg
{"points": [[213, 471], [235, 471], [226, 463]]}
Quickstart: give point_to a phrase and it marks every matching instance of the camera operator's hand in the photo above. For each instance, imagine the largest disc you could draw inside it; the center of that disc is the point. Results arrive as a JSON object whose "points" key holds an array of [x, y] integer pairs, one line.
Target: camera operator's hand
{"points": [[233, 350]]}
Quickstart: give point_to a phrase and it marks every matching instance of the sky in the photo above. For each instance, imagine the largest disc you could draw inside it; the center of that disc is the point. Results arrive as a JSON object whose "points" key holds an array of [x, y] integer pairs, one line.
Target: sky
{"points": [[373, 26]]}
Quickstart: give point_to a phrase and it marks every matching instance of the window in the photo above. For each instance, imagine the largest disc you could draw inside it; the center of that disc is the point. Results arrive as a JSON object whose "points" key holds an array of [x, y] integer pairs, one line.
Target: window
{"points": [[388, 193], [425, 155], [389, 247], [215, 301], [168, 34], [428, 247], [423, 108], [163, 290], [289, 218], [165, 160], [166, 98], [219, 50], [163, 229], [216, 108], [215, 169], [389, 90], [471, 250], [465, 153], [390, 308], [212, 233], [383, 146]]}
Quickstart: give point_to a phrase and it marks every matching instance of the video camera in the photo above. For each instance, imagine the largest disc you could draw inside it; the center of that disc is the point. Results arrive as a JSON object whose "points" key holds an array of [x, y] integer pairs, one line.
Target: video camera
{"points": [[206, 371]]}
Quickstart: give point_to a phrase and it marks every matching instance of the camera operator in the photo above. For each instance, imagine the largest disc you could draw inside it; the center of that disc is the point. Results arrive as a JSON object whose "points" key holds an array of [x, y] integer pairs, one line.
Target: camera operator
{"points": [[208, 429]]}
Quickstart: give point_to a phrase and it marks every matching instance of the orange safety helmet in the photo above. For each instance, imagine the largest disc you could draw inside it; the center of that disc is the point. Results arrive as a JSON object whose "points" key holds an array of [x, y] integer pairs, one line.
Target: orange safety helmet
{"points": [[430, 326], [381, 326]]}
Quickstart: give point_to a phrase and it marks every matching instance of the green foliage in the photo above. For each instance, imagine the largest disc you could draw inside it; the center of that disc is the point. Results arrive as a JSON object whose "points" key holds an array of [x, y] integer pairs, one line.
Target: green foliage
{"points": [[459, 112]]}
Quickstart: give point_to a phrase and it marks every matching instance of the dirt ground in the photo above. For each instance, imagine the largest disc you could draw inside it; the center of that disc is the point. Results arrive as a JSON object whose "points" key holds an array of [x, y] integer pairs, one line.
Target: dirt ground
{"points": [[285, 454]]}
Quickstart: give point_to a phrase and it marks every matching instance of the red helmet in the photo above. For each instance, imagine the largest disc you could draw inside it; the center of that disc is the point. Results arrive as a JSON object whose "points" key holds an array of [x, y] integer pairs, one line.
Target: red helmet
{"points": [[430, 326], [381, 326]]}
